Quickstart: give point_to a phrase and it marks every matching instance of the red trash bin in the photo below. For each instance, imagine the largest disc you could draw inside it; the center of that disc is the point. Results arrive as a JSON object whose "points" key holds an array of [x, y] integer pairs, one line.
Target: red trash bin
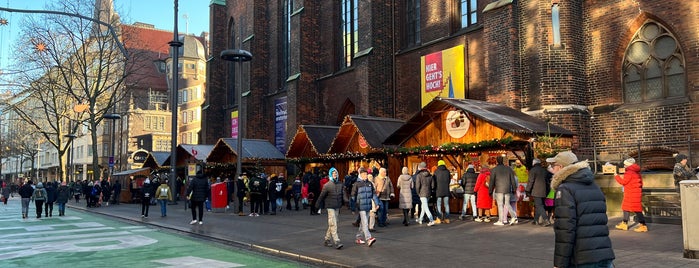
{"points": [[219, 197]]}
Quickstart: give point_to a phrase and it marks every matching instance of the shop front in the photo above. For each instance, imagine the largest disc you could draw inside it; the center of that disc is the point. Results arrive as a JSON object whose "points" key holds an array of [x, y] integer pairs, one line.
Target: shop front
{"points": [[309, 146], [257, 156]]}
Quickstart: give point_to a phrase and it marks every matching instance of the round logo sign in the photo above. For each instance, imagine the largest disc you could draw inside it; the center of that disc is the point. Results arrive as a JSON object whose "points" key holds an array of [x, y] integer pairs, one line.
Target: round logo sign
{"points": [[362, 142], [457, 124]]}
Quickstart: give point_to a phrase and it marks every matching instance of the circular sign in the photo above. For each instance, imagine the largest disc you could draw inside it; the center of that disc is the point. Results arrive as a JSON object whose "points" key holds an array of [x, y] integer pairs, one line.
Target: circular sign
{"points": [[457, 124], [362, 142]]}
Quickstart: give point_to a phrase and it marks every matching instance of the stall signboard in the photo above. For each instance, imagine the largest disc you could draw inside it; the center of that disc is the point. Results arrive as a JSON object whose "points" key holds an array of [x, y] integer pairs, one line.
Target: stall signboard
{"points": [[442, 74], [234, 124]]}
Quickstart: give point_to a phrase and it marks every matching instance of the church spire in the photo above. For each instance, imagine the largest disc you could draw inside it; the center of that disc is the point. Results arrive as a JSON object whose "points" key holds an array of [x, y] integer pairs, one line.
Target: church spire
{"points": [[104, 11]]}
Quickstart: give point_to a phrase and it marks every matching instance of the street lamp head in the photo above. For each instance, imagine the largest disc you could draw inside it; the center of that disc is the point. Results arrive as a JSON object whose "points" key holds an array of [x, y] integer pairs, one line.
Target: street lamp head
{"points": [[237, 55], [111, 116], [70, 136]]}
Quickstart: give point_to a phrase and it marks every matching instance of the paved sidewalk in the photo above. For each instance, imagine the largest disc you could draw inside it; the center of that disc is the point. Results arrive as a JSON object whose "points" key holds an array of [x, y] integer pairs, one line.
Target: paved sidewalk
{"points": [[299, 236]]}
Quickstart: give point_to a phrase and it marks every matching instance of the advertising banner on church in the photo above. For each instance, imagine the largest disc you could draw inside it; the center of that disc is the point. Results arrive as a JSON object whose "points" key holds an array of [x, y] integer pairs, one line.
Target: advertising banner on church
{"points": [[234, 124], [442, 74], [280, 114]]}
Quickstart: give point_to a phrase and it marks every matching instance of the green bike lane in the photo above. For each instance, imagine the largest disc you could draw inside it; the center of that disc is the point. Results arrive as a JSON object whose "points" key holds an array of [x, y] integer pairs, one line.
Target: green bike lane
{"points": [[89, 240]]}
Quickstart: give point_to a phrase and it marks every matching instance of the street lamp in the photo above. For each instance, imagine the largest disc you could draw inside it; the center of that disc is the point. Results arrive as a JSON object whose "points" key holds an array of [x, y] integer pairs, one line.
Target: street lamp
{"points": [[240, 56], [112, 117], [175, 45], [71, 153]]}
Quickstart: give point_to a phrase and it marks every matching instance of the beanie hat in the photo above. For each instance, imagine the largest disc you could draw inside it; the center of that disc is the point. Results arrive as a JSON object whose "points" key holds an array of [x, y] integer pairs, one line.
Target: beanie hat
{"points": [[470, 166], [629, 162], [441, 163], [422, 165], [536, 161], [563, 158], [680, 157]]}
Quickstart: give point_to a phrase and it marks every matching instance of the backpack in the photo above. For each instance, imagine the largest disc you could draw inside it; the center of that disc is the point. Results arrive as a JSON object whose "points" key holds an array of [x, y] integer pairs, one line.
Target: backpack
{"points": [[163, 192], [94, 191], [255, 186], [39, 194]]}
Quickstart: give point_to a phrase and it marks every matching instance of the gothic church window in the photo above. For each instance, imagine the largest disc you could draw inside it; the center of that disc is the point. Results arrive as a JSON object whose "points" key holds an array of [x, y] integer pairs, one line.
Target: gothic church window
{"points": [[468, 14], [653, 66], [350, 36]]}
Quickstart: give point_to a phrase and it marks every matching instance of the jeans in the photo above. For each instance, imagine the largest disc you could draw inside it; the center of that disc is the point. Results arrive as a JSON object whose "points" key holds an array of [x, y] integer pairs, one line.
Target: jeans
{"points": [[445, 214], [600, 264], [539, 211], [48, 208], [39, 206], [467, 198], [383, 212], [61, 208], [273, 203], [145, 205], [240, 202], [197, 205], [425, 210], [363, 226], [332, 227], [504, 205], [163, 207], [25, 206]]}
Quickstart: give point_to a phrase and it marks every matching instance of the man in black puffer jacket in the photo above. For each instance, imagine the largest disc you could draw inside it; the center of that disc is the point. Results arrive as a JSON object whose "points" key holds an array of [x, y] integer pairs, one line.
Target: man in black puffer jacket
{"points": [[197, 192], [582, 235]]}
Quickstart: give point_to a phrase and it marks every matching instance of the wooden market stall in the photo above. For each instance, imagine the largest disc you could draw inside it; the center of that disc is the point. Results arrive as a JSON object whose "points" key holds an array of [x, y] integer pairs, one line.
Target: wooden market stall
{"points": [[256, 154], [465, 131], [131, 182], [309, 145]]}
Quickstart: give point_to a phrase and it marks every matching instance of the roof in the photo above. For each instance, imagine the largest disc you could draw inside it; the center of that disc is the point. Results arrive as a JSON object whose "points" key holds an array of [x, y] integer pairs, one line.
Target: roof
{"points": [[160, 157], [253, 148], [374, 130], [315, 138], [130, 171], [500, 116], [199, 152], [144, 46]]}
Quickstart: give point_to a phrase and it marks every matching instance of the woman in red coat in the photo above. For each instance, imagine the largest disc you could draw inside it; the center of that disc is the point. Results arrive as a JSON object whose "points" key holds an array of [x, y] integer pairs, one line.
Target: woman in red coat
{"points": [[483, 200], [633, 184]]}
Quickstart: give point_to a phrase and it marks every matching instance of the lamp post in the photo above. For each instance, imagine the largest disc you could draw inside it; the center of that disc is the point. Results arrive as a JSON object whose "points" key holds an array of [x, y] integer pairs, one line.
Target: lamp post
{"points": [[71, 153], [175, 45], [240, 56], [112, 117]]}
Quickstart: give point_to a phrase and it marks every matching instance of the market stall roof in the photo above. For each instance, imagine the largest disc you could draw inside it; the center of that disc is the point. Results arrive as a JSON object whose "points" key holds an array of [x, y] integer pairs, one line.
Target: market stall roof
{"points": [[498, 115], [311, 141], [198, 152], [372, 132], [157, 159], [131, 171], [252, 149]]}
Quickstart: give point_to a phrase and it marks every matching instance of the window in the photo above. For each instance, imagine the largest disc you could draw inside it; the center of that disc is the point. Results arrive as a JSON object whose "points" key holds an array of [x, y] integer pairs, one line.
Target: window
{"points": [[468, 12], [154, 123], [556, 24], [412, 33], [653, 66], [286, 43], [185, 95], [184, 117], [350, 36]]}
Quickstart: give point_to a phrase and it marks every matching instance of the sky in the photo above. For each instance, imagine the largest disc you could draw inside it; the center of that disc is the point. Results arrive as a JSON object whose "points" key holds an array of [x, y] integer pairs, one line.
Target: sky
{"points": [[157, 12]]}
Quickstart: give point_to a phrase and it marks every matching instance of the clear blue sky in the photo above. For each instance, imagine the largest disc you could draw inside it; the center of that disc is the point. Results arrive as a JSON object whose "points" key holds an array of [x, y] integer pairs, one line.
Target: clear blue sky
{"points": [[156, 12]]}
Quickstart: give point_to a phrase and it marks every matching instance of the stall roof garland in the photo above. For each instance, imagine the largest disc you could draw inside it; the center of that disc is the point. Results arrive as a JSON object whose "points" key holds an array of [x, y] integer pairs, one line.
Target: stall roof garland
{"points": [[333, 157], [451, 147]]}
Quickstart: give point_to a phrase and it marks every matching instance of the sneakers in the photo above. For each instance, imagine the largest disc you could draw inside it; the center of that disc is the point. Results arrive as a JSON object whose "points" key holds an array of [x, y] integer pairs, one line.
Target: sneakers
{"points": [[514, 221], [251, 215], [339, 246], [641, 228], [498, 223], [622, 226], [431, 223], [360, 241], [461, 217], [478, 220], [436, 221], [327, 243], [371, 241], [193, 222], [487, 219], [446, 221], [201, 222], [419, 221]]}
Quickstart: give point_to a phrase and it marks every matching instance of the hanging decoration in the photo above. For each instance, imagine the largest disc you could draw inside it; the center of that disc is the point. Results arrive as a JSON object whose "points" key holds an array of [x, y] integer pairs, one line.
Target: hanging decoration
{"points": [[450, 148]]}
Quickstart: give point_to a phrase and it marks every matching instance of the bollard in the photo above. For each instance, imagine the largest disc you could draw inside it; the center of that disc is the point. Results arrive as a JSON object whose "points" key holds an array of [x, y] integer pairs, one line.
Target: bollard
{"points": [[689, 196]]}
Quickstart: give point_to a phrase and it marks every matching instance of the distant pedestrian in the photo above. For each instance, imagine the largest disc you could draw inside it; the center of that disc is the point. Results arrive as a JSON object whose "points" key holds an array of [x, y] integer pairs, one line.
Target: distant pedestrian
{"points": [[538, 189], [468, 183], [258, 189], [77, 191], [682, 171], [424, 185], [442, 179], [164, 195], [50, 188], [633, 190], [241, 189], [117, 192], [363, 192], [62, 197], [385, 192], [5, 192], [502, 187], [198, 191], [146, 195], [483, 200], [26, 191], [581, 232], [106, 192], [330, 198], [405, 195], [313, 192], [39, 197]]}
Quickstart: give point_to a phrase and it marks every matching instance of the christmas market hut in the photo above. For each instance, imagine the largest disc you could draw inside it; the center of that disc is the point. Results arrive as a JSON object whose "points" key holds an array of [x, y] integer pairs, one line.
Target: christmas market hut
{"points": [[466, 131], [131, 181], [309, 145], [359, 143], [157, 160], [258, 156]]}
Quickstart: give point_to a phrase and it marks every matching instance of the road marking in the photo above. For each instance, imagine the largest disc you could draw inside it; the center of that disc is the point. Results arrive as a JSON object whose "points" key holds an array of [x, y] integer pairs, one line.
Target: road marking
{"points": [[191, 261]]}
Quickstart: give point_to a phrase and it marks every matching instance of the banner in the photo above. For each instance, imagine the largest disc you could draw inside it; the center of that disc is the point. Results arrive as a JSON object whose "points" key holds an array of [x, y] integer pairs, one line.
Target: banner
{"points": [[443, 74], [280, 114], [234, 124]]}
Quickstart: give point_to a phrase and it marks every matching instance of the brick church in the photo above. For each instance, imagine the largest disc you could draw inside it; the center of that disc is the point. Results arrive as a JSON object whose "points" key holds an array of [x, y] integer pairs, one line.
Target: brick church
{"points": [[623, 75]]}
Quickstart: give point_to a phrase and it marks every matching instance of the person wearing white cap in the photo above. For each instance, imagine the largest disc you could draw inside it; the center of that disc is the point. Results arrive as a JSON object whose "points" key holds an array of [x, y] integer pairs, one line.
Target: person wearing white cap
{"points": [[580, 226], [538, 188], [633, 185]]}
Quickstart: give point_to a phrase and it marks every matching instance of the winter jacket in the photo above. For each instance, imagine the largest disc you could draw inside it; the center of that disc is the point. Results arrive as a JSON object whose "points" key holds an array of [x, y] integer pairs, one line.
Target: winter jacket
{"points": [[240, 184], [521, 173], [257, 186], [581, 231], [50, 192], [537, 186], [146, 190], [363, 193], [26, 191], [468, 181], [424, 183], [199, 189], [405, 196], [502, 180], [163, 192], [681, 173], [384, 187], [39, 193], [442, 177], [62, 194], [633, 185], [483, 198], [331, 195]]}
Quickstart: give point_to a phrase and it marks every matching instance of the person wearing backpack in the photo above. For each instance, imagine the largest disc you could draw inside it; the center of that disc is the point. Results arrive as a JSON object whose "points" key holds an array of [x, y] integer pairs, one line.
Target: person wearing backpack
{"points": [[39, 196], [147, 194], [258, 188], [163, 195]]}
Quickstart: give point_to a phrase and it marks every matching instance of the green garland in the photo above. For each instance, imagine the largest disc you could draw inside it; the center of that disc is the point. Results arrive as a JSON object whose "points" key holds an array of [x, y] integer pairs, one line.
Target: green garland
{"points": [[451, 147]]}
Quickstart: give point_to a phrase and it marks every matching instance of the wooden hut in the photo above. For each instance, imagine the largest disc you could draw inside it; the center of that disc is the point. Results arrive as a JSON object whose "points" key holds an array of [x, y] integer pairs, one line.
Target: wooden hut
{"points": [[309, 145], [256, 154]]}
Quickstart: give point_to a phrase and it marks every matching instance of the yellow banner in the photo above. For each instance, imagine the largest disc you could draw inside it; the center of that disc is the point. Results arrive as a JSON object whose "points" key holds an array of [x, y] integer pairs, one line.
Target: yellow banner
{"points": [[443, 74]]}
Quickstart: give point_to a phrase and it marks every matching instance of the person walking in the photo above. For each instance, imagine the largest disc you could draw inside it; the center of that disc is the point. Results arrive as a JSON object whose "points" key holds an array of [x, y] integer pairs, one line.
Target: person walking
{"points": [[117, 192], [197, 192], [5, 192], [146, 195], [62, 197], [580, 226], [26, 191], [633, 190], [468, 183], [483, 200], [442, 179], [296, 192], [385, 192], [164, 195], [39, 197], [405, 195], [50, 188], [538, 188], [502, 187], [77, 191], [330, 198], [362, 193], [424, 185]]}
